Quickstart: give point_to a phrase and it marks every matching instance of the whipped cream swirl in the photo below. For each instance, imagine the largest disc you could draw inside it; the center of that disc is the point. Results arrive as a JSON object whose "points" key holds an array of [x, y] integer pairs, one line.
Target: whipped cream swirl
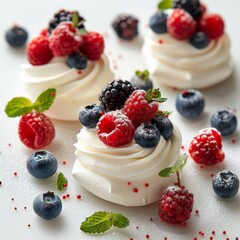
{"points": [[179, 64], [126, 175], [75, 89]]}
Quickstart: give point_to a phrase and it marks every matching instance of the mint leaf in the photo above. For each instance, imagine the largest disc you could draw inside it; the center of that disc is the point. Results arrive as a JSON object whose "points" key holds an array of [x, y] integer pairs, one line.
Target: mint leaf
{"points": [[45, 100], [169, 171], [101, 222], [148, 96], [61, 181], [82, 31], [18, 106], [165, 4], [163, 113], [75, 19], [120, 220], [144, 75]]}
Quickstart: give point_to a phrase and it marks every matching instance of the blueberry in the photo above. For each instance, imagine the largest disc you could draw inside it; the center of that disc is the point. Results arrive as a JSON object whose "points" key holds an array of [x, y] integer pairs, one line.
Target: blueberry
{"points": [[141, 80], [16, 36], [225, 184], [90, 115], [42, 164], [147, 135], [224, 121], [158, 22], [164, 126], [199, 40], [190, 103], [77, 60], [47, 205]]}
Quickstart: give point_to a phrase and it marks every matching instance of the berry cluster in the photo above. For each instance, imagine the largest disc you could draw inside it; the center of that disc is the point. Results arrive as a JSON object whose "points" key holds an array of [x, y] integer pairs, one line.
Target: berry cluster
{"points": [[66, 37], [189, 21], [126, 113]]}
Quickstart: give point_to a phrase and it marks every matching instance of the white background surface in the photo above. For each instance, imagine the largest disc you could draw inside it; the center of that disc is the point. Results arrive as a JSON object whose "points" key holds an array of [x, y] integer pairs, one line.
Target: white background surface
{"points": [[215, 214]]}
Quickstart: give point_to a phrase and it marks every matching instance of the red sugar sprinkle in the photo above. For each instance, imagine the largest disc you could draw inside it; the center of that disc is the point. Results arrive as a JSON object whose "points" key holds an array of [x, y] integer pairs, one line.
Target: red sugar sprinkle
{"points": [[137, 227], [211, 238], [68, 195], [79, 196], [131, 239], [135, 190], [165, 238], [79, 72], [147, 236], [52, 94], [233, 140], [0, 183], [12, 199], [129, 183], [236, 238], [224, 232], [182, 147], [197, 211], [195, 238], [25, 208], [146, 184], [15, 208], [64, 162], [184, 92], [15, 174], [160, 41], [63, 197], [65, 185], [151, 219], [201, 166], [212, 175], [227, 239], [213, 232], [9, 144], [29, 225]]}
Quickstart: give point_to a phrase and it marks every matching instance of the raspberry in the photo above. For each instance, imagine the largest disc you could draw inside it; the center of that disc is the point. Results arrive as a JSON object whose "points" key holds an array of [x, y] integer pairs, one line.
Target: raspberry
{"points": [[115, 129], [64, 40], [36, 130], [175, 205], [206, 148], [38, 51], [212, 25], [93, 45], [44, 32], [138, 109], [181, 24]]}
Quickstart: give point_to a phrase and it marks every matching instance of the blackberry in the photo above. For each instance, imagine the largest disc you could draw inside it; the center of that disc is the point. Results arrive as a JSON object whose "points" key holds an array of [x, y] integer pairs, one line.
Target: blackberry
{"points": [[126, 26], [193, 7], [64, 16], [115, 94]]}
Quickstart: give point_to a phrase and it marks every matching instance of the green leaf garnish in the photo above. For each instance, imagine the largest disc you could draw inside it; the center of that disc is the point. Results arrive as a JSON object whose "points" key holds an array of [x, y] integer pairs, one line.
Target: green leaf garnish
{"points": [[154, 95], [163, 113], [61, 182], [101, 222], [169, 171], [82, 31], [21, 105], [18, 106], [75, 18], [165, 4], [144, 75]]}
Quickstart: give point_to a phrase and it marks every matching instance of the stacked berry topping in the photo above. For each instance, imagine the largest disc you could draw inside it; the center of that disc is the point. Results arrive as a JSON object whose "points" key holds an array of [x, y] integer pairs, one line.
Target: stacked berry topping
{"points": [[206, 147], [188, 21], [141, 80], [125, 114], [66, 37]]}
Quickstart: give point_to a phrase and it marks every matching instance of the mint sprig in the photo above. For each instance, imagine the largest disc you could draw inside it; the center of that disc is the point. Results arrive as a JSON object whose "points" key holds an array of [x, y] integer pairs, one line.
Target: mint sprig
{"points": [[169, 171], [144, 75], [102, 221], [61, 181], [154, 95], [163, 113], [165, 4], [21, 105]]}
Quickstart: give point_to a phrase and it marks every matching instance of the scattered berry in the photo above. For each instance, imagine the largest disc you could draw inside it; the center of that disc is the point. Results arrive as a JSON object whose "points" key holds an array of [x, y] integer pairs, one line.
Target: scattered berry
{"points": [[140, 107], [125, 26], [224, 121], [93, 46], [199, 40], [206, 148], [175, 205], [147, 135], [38, 51], [158, 22], [36, 130], [77, 60], [47, 205], [90, 115], [64, 41], [42, 164], [115, 129], [181, 25], [115, 94], [64, 16], [141, 80], [16, 36], [212, 25], [190, 103], [193, 7], [164, 126], [225, 184]]}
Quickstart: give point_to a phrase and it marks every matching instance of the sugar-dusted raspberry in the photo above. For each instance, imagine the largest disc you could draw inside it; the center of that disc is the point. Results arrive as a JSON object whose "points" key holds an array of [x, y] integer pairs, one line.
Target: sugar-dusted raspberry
{"points": [[175, 205], [64, 40], [36, 130], [212, 25], [38, 51], [44, 32], [115, 129], [181, 25], [206, 148], [139, 109], [93, 45]]}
